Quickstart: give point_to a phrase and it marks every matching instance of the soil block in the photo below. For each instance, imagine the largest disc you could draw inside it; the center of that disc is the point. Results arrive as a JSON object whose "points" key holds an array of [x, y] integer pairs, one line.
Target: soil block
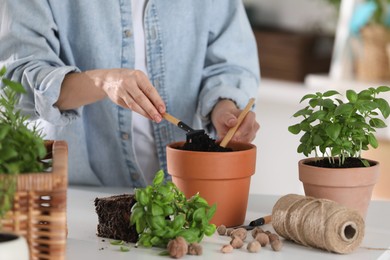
{"points": [[114, 217]]}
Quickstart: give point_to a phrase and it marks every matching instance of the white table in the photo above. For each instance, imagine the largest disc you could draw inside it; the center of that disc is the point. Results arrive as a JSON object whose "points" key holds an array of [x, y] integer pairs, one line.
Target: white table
{"points": [[83, 243]]}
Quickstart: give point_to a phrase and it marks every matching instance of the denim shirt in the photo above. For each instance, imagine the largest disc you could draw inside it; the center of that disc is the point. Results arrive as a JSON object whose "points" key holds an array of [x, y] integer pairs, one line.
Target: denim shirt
{"points": [[196, 51]]}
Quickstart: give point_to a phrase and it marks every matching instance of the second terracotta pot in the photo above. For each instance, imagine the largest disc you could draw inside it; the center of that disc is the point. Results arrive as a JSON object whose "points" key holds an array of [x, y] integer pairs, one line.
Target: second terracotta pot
{"points": [[351, 187], [219, 177]]}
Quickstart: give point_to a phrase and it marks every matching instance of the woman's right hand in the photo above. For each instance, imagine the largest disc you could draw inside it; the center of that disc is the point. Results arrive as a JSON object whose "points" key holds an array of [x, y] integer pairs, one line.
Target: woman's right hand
{"points": [[128, 88]]}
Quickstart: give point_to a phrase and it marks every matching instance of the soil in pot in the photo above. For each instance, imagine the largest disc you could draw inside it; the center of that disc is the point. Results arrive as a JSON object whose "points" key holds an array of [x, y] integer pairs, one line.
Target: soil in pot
{"points": [[198, 140], [5, 237], [350, 162]]}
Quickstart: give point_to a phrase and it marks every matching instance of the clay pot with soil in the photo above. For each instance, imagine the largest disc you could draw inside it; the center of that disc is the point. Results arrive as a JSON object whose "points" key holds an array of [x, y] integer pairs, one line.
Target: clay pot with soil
{"points": [[340, 130], [222, 178]]}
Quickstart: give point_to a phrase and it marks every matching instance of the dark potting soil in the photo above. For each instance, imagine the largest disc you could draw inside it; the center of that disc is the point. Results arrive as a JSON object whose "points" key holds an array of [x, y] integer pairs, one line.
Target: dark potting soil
{"points": [[114, 217], [198, 140], [350, 162], [5, 237]]}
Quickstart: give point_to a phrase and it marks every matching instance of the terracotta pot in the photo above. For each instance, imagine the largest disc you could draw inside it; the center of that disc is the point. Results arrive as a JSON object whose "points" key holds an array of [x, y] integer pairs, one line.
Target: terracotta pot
{"points": [[219, 177], [351, 187], [13, 247]]}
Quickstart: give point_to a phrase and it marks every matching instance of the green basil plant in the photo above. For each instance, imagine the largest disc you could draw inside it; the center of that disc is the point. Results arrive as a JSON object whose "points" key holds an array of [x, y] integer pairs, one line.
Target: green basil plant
{"points": [[337, 128], [162, 212]]}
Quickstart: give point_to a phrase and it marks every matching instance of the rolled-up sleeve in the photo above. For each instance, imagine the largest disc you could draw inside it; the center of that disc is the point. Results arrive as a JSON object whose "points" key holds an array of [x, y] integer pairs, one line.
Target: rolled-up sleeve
{"points": [[231, 65], [30, 51]]}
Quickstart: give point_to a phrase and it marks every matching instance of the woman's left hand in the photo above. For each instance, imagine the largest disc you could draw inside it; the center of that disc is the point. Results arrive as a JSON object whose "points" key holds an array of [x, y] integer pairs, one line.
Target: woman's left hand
{"points": [[225, 116]]}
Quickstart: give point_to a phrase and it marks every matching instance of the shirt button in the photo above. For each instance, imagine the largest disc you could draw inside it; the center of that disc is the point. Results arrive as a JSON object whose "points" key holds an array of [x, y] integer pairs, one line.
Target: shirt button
{"points": [[125, 136], [153, 33], [128, 33], [164, 135]]}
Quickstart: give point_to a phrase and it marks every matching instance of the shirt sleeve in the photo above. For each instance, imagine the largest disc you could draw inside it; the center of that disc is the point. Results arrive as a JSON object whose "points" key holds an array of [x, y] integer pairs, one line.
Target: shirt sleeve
{"points": [[30, 51], [231, 66]]}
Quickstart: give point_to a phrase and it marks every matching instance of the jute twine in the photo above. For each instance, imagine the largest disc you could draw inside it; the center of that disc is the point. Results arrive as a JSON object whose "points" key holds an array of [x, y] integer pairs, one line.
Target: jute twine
{"points": [[318, 223]]}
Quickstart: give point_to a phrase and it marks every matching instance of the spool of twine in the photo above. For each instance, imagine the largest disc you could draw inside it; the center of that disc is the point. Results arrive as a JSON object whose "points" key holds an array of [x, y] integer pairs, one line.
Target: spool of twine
{"points": [[318, 223]]}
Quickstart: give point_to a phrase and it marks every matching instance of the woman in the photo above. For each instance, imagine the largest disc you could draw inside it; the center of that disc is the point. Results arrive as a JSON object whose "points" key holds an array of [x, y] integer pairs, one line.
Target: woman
{"points": [[100, 75]]}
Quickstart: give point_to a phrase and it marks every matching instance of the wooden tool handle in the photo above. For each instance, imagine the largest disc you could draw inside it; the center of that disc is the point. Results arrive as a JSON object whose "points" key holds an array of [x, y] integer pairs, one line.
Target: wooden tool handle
{"points": [[171, 119], [241, 117], [177, 122], [261, 221]]}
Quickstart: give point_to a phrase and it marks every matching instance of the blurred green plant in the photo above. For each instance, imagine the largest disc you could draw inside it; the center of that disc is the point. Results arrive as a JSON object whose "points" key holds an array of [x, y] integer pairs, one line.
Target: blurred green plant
{"points": [[369, 11], [21, 147]]}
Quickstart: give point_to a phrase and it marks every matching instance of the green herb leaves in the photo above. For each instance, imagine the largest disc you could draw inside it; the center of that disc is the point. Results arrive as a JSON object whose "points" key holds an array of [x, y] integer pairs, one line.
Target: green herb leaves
{"points": [[337, 128], [21, 147], [162, 212]]}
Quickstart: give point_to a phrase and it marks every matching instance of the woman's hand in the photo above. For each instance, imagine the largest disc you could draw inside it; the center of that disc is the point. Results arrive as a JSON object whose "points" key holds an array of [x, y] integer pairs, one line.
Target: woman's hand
{"points": [[128, 88], [225, 116]]}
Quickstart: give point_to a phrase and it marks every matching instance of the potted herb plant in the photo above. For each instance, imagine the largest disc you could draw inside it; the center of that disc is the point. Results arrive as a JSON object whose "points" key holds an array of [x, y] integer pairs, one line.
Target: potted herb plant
{"points": [[26, 185], [336, 131]]}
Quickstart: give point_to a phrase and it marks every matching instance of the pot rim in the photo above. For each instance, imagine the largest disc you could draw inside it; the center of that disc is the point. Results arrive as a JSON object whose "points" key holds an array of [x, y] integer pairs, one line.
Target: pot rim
{"points": [[211, 165], [177, 145], [338, 177], [309, 159]]}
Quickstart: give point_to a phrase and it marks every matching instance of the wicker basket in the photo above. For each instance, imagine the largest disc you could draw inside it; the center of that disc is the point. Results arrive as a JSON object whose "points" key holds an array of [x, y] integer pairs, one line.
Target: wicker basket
{"points": [[372, 63], [39, 210]]}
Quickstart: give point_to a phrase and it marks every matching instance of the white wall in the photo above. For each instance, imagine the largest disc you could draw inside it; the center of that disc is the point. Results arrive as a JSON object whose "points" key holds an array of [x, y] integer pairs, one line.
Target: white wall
{"points": [[277, 159]]}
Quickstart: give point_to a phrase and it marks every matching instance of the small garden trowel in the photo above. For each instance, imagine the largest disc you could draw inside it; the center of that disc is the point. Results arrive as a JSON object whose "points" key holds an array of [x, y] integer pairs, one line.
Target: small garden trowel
{"points": [[197, 140]]}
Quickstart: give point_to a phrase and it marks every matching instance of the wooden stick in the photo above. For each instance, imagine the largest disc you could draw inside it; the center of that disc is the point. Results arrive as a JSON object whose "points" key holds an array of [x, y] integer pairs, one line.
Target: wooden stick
{"points": [[241, 117]]}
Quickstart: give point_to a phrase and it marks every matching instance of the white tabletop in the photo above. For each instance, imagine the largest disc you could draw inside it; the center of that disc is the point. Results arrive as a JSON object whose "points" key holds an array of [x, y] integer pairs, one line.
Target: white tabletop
{"points": [[83, 243]]}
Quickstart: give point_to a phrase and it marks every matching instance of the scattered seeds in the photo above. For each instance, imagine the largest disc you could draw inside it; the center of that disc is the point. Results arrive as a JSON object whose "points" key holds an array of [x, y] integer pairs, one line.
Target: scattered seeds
{"points": [[239, 232], [221, 230], [262, 238], [229, 231], [256, 231], [236, 242], [195, 249], [177, 247], [253, 246], [276, 245], [227, 249], [273, 237]]}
